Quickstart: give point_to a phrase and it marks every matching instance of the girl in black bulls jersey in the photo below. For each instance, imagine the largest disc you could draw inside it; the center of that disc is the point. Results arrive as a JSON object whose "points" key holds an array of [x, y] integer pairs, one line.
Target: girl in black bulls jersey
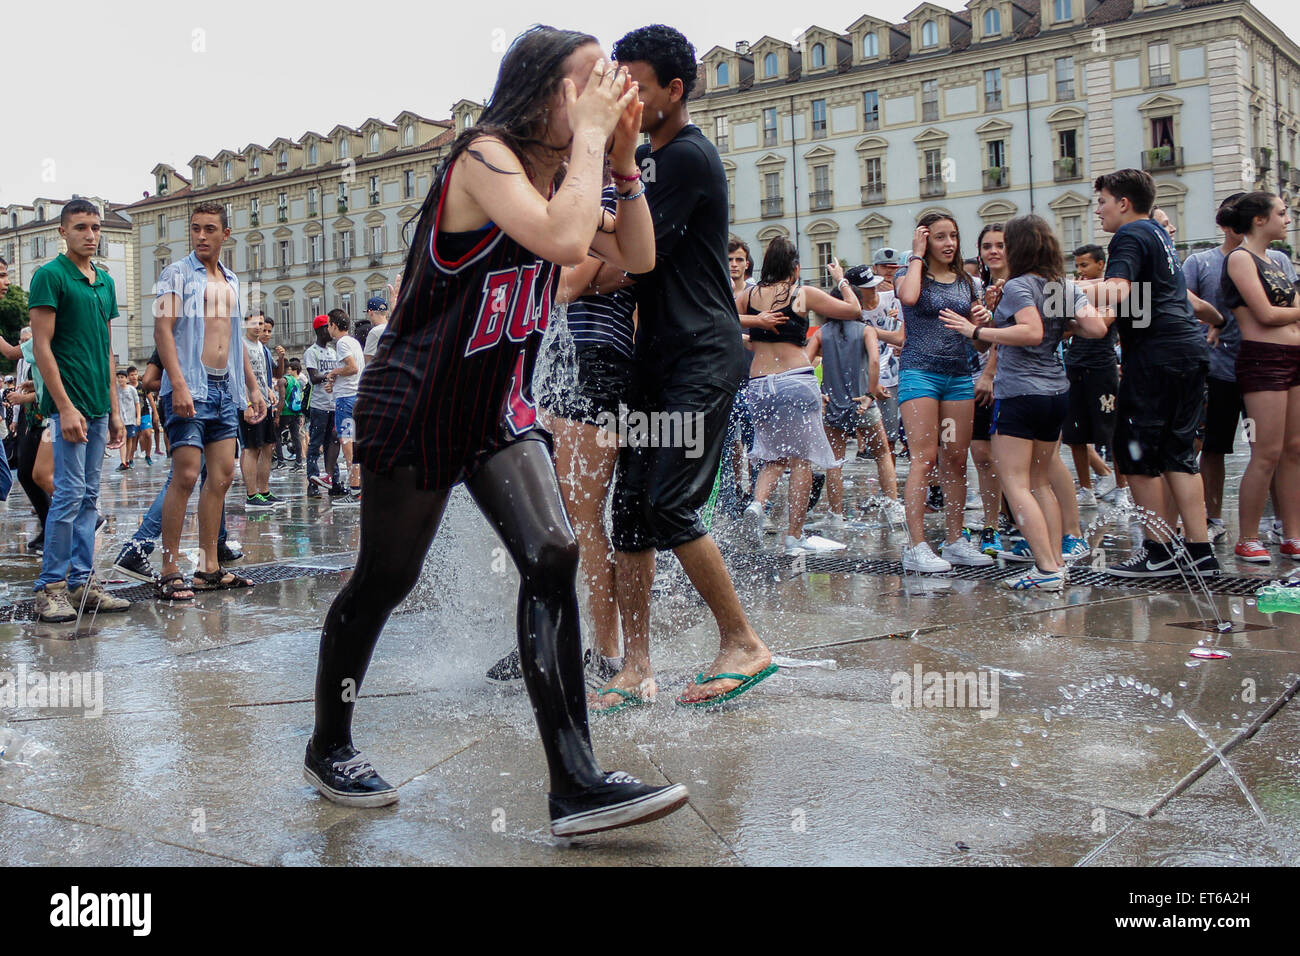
{"points": [[447, 399]]}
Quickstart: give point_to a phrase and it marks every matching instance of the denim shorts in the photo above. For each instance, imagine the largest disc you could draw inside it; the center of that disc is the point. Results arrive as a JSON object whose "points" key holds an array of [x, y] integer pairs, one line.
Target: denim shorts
{"points": [[916, 383], [215, 418], [343, 418]]}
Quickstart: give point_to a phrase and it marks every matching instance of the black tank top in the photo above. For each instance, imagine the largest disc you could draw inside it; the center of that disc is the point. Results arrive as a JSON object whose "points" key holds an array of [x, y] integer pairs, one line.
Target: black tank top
{"points": [[1277, 284], [794, 331]]}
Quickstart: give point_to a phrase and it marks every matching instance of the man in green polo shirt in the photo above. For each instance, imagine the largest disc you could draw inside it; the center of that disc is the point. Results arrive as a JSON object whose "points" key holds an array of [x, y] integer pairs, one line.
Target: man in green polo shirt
{"points": [[72, 302]]}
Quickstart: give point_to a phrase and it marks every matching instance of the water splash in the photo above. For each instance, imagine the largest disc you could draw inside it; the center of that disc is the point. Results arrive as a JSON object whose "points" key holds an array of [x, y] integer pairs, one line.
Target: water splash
{"points": [[1229, 768]]}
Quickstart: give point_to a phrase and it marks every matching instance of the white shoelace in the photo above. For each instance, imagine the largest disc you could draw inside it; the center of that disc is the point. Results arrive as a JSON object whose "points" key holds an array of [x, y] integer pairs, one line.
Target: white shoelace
{"points": [[354, 768], [618, 776]]}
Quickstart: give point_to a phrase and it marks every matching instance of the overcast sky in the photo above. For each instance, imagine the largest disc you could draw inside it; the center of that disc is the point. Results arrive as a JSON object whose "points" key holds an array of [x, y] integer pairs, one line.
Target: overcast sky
{"points": [[100, 92]]}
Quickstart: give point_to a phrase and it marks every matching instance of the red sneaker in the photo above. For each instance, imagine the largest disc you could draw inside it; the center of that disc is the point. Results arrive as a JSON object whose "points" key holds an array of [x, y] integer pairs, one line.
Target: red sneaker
{"points": [[1252, 550], [1291, 548]]}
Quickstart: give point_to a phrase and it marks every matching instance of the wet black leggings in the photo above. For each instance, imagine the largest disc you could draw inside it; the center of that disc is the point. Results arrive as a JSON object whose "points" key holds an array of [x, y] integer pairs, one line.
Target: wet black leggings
{"points": [[518, 493], [28, 445]]}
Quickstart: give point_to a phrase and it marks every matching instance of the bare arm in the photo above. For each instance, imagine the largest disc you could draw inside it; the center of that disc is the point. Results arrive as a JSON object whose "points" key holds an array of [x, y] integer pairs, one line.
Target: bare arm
{"points": [[832, 307], [577, 281], [12, 352]]}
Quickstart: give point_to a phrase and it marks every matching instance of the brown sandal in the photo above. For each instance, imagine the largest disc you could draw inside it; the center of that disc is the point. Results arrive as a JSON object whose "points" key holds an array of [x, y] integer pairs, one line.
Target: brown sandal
{"points": [[167, 586], [220, 580]]}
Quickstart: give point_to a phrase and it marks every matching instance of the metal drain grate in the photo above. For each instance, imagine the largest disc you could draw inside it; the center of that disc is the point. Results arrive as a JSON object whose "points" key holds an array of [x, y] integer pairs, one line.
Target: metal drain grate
{"points": [[259, 573], [1238, 586]]}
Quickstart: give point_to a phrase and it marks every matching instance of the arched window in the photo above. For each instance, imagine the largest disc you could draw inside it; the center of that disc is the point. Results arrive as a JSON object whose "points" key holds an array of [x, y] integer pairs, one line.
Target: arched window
{"points": [[408, 134], [992, 23], [40, 213], [818, 55], [228, 170], [162, 185], [870, 46], [929, 34], [374, 142], [769, 65], [313, 154], [343, 148], [722, 75]]}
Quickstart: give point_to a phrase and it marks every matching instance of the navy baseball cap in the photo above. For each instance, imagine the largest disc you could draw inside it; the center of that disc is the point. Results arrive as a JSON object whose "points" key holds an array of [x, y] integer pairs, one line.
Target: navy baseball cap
{"points": [[861, 277], [376, 304]]}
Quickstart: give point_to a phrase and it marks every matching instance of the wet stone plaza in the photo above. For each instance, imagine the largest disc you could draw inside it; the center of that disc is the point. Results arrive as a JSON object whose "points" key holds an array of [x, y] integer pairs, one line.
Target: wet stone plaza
{"points": [[913, 721]]}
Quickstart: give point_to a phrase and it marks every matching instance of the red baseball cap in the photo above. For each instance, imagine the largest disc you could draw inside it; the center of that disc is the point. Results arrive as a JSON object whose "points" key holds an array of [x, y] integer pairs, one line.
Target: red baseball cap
{"points": [[320, 321]]}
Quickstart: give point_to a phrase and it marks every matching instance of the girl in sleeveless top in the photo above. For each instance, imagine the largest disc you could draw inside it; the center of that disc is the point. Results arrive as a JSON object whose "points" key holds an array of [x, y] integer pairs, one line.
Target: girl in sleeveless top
{"points": [[447, 399], [1264, 302], [783, 393]]}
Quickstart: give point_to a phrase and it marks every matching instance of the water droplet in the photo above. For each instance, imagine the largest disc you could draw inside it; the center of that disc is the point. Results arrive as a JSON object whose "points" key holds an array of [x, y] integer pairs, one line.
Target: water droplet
{"points": [[1015, 762], [1002, 781], [1019, 742], [1006, 813]]}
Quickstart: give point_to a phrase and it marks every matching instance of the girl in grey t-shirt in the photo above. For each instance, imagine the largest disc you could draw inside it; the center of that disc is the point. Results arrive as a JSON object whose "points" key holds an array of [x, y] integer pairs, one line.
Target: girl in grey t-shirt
{"points": [[1030, 390]]}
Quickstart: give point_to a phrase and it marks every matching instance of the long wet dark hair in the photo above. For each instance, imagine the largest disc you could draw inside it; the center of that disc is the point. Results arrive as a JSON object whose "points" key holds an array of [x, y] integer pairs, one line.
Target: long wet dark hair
{"points": [[957, 266], [1032, 247], [779, 264], [518, 114]]}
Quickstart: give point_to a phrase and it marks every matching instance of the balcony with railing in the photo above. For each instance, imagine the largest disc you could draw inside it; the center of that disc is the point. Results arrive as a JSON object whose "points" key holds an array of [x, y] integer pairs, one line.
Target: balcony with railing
{"points": [[722, 143], [1263, 159], [819, 129], [376, 258], [822, 199], [873, 193], [773, 207], [1066, 169], [282, 270], [313, 267], [933, 186], [997, 177], [1162, 158]]}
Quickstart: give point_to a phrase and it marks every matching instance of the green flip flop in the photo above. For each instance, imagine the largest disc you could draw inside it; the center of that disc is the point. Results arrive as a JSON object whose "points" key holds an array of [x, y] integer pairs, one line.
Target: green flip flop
{"points": [[747, 682], [629, 700]]}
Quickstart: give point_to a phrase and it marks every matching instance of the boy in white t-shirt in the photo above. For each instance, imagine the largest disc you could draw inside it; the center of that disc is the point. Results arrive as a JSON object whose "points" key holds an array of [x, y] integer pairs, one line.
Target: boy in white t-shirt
{"points": [[342, 382]]}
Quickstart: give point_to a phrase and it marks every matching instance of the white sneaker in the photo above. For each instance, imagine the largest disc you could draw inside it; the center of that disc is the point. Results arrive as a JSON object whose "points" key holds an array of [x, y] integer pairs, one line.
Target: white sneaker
{"points": [[815, 542], [794, 546], [752, 523], [894, 512], [1218, 531], [962, 551], [921, 558], [1121, 498], [1102, 487], [1086, 498]]}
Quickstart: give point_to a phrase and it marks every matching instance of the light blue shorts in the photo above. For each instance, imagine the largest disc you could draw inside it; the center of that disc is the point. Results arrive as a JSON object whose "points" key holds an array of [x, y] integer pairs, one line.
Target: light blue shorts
{"points": [[915, 383]]}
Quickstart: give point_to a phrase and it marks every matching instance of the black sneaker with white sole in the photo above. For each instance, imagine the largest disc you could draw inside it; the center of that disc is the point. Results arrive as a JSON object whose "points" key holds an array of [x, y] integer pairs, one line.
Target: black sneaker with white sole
{"points": [[1207, 565], [1152, 560], [621, 800], [506, 671], [133, 561], [346, 777]]}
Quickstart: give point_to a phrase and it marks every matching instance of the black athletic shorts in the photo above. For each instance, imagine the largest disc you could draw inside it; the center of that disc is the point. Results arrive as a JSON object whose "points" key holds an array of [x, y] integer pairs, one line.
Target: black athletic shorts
{"points": [[1032, 417], [259, 435], [1223, 409], [1160, 410], [603, 377], [658, 491], [1091, 418], [982, 426]]}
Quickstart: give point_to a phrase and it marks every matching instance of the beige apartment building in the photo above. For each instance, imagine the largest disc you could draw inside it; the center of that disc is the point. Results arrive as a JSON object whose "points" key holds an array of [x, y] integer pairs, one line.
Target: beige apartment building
{"points": [[843, 139], [316, 222], [29, 238]]}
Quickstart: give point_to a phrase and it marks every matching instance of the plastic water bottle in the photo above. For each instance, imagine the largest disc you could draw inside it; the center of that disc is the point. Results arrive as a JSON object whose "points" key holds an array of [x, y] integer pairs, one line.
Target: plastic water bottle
{"points": [[11, 742], [1279, 596]]}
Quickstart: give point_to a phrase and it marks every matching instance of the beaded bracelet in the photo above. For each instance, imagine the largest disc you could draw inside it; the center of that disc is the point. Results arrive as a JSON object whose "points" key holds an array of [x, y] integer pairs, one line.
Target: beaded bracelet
{"points": [[636, 195], [627, 179]]}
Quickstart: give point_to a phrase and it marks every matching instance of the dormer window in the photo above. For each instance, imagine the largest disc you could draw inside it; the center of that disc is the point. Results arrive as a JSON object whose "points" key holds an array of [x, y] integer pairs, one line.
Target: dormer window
{"points": [[313, 154], [162, 184], [228, 170], [818, 56], [40, 213], [992, 23], [256, 165], [1061, 10], [202, 176], [282, 163], [408, 134], [374, 142], [870, 46], [930, 34], [722, 75], [770, 65], [343, 147]]}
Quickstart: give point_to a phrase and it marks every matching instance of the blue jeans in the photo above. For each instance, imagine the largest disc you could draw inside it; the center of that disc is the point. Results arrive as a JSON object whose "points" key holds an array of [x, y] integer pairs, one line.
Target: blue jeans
{"points": [[6, 476], [70, 528], [150, 529]]}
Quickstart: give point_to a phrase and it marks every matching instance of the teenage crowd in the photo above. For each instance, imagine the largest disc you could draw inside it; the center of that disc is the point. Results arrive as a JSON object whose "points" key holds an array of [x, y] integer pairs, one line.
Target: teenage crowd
{"points": [[1143, 366]]}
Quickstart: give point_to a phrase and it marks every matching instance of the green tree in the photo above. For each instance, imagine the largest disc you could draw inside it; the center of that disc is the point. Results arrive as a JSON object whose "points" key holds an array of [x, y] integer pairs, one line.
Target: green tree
{"points": [[13, 318]]}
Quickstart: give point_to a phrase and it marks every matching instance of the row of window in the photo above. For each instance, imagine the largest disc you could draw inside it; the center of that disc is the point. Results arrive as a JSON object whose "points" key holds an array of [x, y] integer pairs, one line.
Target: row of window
{"points": [[286, 319], [313, 247]]}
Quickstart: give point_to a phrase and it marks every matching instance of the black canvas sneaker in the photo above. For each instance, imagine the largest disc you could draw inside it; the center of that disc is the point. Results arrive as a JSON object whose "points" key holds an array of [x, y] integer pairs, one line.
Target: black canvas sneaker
{"points": [[1152, 560], [620, 801], [134, 563], [346, 777]]}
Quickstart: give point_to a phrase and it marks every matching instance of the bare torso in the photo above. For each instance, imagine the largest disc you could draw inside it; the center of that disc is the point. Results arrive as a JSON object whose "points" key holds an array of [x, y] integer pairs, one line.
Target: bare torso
{"points": [[219, 306], [773, 357]]}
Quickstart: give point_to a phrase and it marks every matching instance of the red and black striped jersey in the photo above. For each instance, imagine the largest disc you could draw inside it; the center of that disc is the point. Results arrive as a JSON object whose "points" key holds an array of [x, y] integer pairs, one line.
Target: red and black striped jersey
{"points": [[452, 378]]}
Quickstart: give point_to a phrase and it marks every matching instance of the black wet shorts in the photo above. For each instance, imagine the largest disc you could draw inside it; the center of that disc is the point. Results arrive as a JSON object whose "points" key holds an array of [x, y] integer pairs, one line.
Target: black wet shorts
{"points": [[668, 465], [1160, 410], [258, 435], [1267, 367], [982, 424], [1091, 418], [1031, 417], [1223, 409], [603, 378]]}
